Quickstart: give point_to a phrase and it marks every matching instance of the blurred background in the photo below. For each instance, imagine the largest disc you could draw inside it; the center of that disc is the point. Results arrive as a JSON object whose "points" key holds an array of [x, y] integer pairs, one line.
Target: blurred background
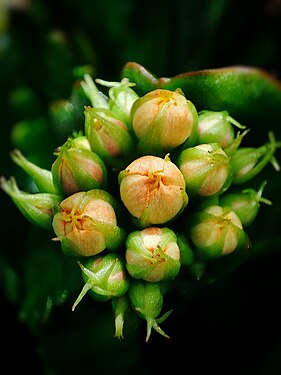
{"points": [[231, 326]]}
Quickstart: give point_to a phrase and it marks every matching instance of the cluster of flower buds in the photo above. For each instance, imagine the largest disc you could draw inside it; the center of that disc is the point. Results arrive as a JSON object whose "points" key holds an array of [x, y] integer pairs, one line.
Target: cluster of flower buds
{"points": [[146, 194]]}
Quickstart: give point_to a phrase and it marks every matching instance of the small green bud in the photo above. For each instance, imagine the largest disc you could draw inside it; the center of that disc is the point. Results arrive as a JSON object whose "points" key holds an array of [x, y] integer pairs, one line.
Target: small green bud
{"points": [[162, 121], [153, 190], [36, 207], [247, 162], [206, 169], [109, 137], [77, 167], [246, 203], [86, 223], [153, 254], [120, 306], [121, 99], [147, 301], [105, 277], [216, 231], [216, 127], [42, 178]]}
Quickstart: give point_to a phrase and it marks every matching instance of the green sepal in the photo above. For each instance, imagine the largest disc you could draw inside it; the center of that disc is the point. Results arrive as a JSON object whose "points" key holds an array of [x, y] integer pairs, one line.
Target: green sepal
{"points": [[36, 207], [98, 274], [247, 162], [121, 99], [42, 178], [147, 301]]}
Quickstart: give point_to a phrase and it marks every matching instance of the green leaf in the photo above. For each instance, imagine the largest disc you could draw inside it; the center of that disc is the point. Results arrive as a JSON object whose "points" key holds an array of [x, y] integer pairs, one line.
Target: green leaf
{"points": [[251, 95]]}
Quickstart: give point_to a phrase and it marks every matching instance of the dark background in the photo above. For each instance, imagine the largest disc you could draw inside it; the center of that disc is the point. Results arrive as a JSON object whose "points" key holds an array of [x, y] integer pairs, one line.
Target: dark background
{"points": [[229, 327]]}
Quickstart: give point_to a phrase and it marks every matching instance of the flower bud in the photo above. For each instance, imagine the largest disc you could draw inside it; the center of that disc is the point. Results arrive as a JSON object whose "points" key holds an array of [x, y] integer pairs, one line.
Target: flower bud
{"points": [[109, 137], [147, 301], [153, 190], [121, 99], [206, 169], [77, 167], [36, 207], [42, 178], [216, 127], [105, 277], [153, 254], [86, 223], [245, 204], [216, 231], [247, 162], [163, 120]]}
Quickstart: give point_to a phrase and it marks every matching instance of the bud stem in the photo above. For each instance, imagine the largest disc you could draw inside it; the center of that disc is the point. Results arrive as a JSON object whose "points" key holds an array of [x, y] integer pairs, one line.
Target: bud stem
{"points": [[42, 177], [97, 98], [120, 306]]}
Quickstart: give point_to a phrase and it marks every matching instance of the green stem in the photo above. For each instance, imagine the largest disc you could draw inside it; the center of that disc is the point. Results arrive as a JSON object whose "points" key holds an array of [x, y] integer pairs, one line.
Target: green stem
{"points": [[42, 178], [97, 99]]}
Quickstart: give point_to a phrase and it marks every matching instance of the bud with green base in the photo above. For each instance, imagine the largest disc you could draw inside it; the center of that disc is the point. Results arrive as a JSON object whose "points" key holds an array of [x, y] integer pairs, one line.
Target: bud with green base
{"points": [[163, 120], [216, 127], [77, 167], [246, 203], [109, 137], [216, 231], [247, 162], [153, 254], [36, 207], [86, 223], [206, 169], [105, 277], [147, 301], [153, 190]]}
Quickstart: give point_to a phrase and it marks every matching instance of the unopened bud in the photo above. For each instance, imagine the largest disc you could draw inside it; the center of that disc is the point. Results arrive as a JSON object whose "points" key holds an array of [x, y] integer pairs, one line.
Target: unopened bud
{"points": [[206, 169], [77, 167], [153, 190], [153, 254], [108, 136], [216, 127], [105, 277], [86, 223], [162, 121], [216, 231]]}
